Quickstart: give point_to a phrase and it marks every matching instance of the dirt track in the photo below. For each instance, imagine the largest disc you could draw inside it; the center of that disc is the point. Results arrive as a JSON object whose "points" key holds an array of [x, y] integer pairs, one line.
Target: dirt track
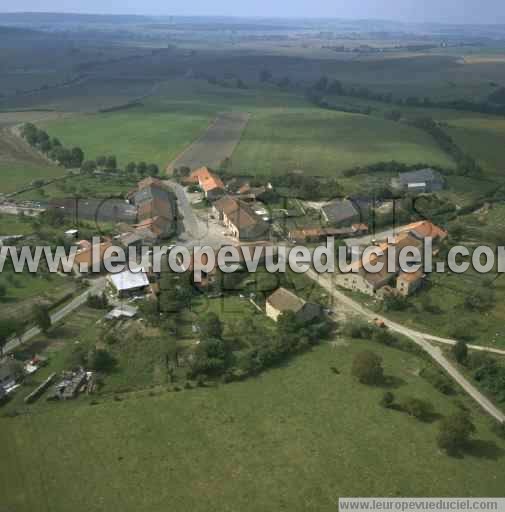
{"points": [[216, 144], [15, 149]]}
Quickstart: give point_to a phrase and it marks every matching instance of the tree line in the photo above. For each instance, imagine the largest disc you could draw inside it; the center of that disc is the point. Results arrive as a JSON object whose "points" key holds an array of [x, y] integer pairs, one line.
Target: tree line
{"points": [[74, 158], [52, 147]]}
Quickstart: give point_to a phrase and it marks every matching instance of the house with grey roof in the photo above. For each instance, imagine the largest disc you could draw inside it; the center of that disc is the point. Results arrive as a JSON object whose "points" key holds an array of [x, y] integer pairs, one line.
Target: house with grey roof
{"points": [[341, 213], [283, 301], [419, 181]]}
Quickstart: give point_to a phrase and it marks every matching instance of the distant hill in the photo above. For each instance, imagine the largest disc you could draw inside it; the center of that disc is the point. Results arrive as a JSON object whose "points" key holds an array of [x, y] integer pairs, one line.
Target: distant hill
{"points": [[498, 96], [36, 18]]}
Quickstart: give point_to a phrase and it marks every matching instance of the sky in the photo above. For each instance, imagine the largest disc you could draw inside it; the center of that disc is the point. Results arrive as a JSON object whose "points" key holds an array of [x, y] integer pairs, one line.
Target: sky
{"points": [[444, 11]]}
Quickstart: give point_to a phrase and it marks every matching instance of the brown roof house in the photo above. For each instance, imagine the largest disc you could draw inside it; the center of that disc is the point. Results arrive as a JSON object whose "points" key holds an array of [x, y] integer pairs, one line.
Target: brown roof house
{"points": [[409, 282], [282, 301], [240, 220], [212, 185], [86, 256], [156, 209], [357, 278]]}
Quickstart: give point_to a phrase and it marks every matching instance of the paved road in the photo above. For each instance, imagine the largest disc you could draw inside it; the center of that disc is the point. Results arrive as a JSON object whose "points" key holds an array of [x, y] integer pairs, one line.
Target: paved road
{"points": [[197, 231], [417, 337], [97, 286]]}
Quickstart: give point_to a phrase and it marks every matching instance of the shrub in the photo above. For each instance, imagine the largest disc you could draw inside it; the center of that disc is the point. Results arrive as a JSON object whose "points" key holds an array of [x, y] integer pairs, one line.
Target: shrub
{"points": [[417, 408], [387, 400], [438, 379], [460, 352], [455, 432], [367, 368]]}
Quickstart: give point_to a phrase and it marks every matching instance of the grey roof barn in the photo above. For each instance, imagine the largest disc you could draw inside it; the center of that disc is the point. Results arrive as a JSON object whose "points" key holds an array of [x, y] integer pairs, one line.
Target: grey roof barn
{"points": [[421, 180], [340, 212]]}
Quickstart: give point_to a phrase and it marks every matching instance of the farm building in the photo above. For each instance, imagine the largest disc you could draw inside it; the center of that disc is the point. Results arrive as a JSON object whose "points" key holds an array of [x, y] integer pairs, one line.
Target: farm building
{"points": [[129, 283], [357, 278], [240, 220], [341, 213], [282, 301], [420, 181]]}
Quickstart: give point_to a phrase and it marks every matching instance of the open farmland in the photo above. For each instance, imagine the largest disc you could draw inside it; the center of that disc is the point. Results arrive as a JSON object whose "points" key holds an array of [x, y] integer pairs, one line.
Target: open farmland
{"points": [[325, 143], [293, 439], [136, 134], [482, 137], [20, 164], [84, 95], [216, 144]]}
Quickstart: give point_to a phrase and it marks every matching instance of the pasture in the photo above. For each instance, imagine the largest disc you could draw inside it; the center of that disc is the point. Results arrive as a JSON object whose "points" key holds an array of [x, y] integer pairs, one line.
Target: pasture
{"points": [[295, 438]]}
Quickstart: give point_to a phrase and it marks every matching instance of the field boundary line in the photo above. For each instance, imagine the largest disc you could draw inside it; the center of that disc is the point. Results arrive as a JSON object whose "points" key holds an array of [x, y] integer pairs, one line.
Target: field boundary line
{"points": [[186, 149]]}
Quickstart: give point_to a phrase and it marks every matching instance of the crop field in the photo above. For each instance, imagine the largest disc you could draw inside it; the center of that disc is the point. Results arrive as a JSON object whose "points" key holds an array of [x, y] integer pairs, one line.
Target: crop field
{"points": [[295, 438], [216, 144], [326, 143]]}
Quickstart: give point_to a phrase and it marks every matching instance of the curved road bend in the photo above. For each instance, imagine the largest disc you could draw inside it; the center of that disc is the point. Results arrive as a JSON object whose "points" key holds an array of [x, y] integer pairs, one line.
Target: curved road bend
{"points": [[418, 338]]}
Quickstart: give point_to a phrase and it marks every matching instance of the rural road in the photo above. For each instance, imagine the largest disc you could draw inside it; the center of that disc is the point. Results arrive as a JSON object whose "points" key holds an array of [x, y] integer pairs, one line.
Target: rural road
{"points": [[417, 337], [96, 287], [191, 224], [197, 231]]}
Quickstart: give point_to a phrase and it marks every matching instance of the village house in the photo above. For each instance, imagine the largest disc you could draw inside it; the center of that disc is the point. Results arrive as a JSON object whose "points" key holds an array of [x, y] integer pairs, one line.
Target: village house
{"points": [[282, 301], [357, 278], [211, 185], [156, 204], [419, 181], [240, 220], [87, 254], [409, 282], [341, 213]]}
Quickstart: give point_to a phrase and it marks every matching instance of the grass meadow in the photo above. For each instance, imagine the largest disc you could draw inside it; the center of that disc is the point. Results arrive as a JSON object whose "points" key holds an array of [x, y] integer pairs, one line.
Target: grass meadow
{"points": [[17, 175], [295, 438]]}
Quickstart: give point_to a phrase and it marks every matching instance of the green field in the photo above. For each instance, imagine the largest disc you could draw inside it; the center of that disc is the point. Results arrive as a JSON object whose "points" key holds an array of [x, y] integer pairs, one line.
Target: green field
{"points": [[483, 137], [133, 135], [17, 175], [293, 439], [284, 133], [84, 186], [325, 143]]}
